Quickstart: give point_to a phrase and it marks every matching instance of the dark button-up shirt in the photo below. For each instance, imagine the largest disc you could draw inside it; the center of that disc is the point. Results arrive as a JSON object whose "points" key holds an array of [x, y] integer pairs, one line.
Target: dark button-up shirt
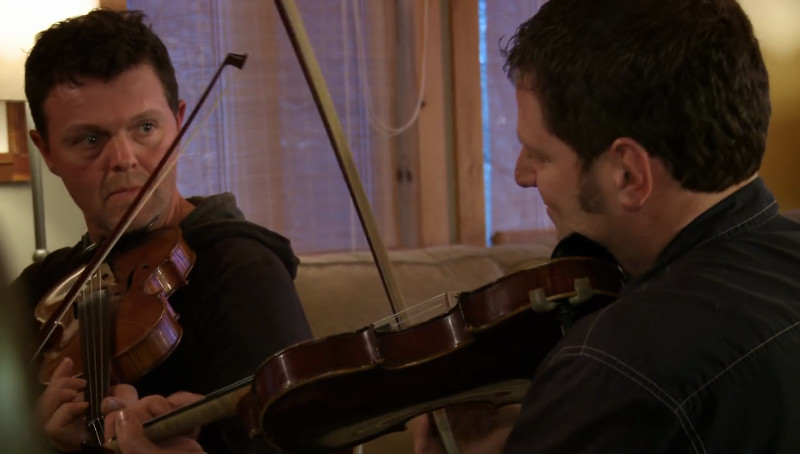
{"points": [[700, 354]]}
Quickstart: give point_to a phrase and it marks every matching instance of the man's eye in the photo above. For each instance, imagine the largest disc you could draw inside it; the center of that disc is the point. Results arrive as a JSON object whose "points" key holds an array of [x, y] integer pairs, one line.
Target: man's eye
{"points": [[90, 139], [147, 127]]}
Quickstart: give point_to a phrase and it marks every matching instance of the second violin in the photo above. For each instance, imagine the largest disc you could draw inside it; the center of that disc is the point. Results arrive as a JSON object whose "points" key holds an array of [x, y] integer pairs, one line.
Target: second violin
{"points": [[485, 348]]}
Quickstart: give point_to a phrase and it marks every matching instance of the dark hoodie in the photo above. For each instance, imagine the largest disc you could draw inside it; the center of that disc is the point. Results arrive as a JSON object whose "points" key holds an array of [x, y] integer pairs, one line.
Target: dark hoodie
{"points": [[239, 307]]}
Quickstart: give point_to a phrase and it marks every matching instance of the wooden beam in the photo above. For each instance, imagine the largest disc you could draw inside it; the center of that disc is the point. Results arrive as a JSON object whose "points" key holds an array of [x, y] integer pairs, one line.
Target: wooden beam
{"points": [[406, 144], [116, 5], [18, 139], [468, 124], [434, 151]]}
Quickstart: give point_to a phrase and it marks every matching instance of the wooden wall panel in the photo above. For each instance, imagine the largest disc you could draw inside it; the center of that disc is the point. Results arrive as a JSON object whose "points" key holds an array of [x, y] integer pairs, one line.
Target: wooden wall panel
{"points": [[468, 136]]}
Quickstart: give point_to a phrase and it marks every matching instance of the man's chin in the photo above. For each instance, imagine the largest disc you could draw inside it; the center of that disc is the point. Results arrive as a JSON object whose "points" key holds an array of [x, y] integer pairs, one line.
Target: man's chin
{"points": [[563, 232], [139, 223], [146, 222]]}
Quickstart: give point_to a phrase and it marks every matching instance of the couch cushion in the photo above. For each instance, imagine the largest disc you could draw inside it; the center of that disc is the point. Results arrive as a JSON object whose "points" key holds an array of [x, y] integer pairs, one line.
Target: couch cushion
{"points": [[343, 292]]}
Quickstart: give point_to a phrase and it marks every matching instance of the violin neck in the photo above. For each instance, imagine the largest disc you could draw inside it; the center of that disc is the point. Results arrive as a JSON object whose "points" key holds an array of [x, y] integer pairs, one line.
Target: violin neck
{"points": [[215, 406], [95, 316]]}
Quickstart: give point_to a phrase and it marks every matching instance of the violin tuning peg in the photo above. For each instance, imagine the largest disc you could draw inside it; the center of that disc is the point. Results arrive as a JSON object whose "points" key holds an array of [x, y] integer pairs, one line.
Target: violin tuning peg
{"points": [[583, 291], [538, 301]]}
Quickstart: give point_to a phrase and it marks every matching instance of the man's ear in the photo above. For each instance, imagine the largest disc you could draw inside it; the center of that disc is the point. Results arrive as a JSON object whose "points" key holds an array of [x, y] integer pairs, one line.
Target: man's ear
{"points": [[44, 150], [180, 113], [634, 173]]}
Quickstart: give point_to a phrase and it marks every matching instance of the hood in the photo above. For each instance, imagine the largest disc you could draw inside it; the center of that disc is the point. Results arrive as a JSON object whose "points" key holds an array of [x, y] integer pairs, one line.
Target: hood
{"points": [[217, 217]]}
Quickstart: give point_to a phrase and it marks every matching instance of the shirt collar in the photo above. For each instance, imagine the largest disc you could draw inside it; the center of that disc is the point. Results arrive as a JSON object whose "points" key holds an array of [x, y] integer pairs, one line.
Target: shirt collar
{"points": [[750, 206]]}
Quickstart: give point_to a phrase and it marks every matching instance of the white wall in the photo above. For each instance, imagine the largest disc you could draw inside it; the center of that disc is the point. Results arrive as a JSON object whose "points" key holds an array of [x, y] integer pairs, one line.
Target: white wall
{"points": [[20, 21], [64, 223]]}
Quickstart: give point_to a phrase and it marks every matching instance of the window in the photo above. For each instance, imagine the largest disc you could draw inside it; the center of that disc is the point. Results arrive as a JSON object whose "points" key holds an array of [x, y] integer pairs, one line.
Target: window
{"points": [[509, 207], [266, 143]]}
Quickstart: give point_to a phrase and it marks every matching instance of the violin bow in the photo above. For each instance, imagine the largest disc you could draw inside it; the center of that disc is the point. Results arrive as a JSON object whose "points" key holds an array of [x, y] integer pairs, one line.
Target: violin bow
{"points": [[293, 23]]}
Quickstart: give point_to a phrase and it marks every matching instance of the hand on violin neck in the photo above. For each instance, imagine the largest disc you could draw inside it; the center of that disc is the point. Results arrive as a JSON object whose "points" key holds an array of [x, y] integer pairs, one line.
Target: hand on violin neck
{"points": [[125, 399], [131, 438], [122, 396], [61, 408]]}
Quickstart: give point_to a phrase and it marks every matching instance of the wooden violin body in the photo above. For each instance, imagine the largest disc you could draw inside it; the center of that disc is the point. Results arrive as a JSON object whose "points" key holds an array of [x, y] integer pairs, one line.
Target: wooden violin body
{"points": [[139, 279], [353, 387]]}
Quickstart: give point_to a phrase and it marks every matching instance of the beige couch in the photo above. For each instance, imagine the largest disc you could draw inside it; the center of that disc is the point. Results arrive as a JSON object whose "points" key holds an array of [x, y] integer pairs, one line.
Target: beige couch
{"points": [[342, 292]]}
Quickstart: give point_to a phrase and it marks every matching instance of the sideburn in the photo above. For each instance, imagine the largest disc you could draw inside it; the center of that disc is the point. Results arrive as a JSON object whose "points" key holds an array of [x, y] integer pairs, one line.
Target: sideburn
{"points": [[590, 197]]}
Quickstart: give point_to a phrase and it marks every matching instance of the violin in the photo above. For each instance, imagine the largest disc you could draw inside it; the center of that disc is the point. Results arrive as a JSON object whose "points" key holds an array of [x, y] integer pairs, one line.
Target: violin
{"points": [[370, 382], [123, 325], [141, 277], [485, 347]]}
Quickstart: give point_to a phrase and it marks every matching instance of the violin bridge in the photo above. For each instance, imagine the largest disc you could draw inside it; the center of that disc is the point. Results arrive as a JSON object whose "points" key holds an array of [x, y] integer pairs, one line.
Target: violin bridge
{"points": [[583, 291], [106, 276], [103, 278]]}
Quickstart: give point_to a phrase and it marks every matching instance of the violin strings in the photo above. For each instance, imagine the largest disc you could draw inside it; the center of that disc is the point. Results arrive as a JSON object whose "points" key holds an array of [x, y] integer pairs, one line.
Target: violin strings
{"points": [[93, 322], [101, 326], [92, 349], [85, 323], [94, 346]]}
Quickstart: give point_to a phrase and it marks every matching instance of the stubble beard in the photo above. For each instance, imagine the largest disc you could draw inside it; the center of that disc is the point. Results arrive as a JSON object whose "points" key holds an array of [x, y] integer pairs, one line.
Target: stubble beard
{"points": [[590, 198], [151, 213]]}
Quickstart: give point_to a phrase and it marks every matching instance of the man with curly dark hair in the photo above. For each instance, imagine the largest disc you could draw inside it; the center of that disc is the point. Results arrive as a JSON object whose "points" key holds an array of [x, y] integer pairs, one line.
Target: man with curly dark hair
{"points": [[643, 124]]}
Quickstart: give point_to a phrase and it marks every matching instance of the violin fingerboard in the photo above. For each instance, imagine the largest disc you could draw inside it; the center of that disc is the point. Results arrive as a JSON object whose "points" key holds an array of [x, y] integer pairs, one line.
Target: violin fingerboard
{"points": [[95, 318]]}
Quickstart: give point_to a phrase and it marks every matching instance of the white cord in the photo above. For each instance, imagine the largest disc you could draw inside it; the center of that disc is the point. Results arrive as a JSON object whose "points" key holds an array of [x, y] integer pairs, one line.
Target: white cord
{"points": [[374, 121]]}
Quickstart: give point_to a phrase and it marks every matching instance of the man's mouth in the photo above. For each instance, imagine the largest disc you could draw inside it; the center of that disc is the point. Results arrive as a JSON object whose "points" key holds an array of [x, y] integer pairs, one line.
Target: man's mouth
{"points": [[124, 192]]}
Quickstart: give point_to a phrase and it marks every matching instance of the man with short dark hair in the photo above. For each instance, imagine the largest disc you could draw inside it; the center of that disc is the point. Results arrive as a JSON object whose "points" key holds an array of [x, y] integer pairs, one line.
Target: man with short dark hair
{"points": [[105, 104], [643, 124]]}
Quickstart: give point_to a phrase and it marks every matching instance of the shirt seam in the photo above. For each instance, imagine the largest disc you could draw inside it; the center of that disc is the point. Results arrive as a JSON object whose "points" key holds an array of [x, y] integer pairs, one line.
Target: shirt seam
{"points": [[643, 382], [740, 359], [740, 224]]}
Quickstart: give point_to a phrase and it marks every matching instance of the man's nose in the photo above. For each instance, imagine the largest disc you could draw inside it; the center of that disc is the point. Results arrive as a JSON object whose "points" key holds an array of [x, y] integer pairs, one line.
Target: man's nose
{"points": [[524, 171], [121, 153]]}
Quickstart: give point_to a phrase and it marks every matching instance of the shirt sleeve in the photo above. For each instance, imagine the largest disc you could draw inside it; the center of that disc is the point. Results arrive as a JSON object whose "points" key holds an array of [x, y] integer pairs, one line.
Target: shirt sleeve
{"points": [[582, 401], [252, 311], [239, 308]]}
